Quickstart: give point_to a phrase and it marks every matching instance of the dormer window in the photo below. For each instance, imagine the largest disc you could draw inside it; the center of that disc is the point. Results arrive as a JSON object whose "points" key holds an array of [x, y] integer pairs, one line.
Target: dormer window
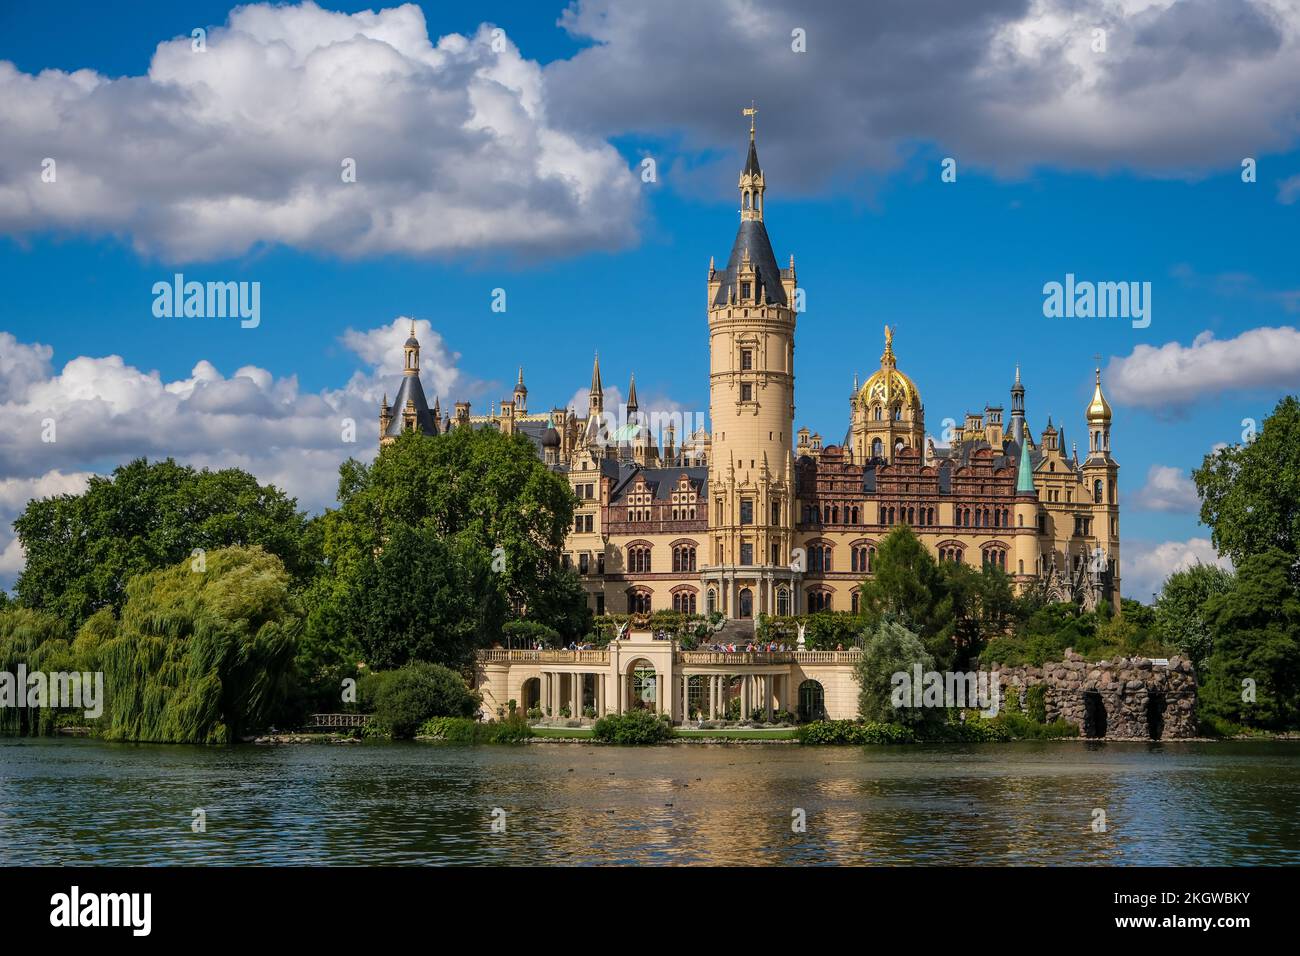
{"points": [[745, 290]]}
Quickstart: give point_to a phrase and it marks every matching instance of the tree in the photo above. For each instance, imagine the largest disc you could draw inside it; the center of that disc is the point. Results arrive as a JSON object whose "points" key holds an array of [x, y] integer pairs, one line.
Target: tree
{"points": [[422, 598], [477, 486], [1250, 493], [1180, 610], [83, 549], [201, 656], [407, 697], [38, 641], [981, 604], [909, 588], [891, 649], [1253, 674]]}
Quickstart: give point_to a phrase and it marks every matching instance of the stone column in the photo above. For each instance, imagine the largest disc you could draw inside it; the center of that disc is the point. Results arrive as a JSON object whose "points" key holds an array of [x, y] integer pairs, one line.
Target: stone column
{"points": [[600, 695], [770, 693]]}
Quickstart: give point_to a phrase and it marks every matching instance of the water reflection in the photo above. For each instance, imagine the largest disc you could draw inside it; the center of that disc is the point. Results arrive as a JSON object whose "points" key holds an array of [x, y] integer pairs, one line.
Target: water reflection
{"points": [[77, 801]]}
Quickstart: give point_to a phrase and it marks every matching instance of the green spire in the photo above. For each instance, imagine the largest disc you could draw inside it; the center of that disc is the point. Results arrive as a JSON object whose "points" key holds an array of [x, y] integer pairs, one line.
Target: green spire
{"points": [[1025, 477]]}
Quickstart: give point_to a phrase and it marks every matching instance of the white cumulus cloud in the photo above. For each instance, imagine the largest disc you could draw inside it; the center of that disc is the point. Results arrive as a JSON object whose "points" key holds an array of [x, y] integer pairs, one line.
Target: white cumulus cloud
{"points": [[1168, 489], [210, 153], [1146, 565], [1172, 376], [102, 411]]}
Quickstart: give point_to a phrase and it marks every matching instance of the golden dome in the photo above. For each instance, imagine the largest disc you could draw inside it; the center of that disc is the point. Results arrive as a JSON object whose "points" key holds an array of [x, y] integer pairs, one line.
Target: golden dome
{"points": [[1098, 408], [889, 386]]}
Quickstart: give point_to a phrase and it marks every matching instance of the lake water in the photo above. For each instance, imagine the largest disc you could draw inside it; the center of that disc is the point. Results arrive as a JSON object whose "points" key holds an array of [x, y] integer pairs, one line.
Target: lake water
{"points": [[67, 801]]}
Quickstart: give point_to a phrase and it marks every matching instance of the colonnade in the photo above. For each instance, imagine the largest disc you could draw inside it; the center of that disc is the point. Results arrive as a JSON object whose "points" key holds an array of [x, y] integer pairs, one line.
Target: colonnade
{"points": [[607, 693]]}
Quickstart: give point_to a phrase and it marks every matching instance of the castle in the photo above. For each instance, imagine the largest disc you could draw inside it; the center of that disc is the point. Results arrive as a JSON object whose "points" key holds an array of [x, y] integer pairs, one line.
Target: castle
{"points": [[753, 517]]}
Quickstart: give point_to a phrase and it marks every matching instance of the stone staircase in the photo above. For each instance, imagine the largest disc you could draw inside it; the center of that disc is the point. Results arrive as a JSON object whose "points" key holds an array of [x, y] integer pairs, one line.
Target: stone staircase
{"points": [[733, 632]]}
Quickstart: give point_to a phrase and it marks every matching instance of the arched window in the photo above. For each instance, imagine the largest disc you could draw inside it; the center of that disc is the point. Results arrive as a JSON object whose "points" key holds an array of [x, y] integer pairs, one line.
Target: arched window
{"points": [[819, 601], [877, 447], [783, 602], [638, 559], [711, 601], [638, 602], [1096, 491]]}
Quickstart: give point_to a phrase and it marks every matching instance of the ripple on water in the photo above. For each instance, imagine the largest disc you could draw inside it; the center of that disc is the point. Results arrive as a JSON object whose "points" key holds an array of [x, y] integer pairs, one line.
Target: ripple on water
{"points": [[88, 802]]}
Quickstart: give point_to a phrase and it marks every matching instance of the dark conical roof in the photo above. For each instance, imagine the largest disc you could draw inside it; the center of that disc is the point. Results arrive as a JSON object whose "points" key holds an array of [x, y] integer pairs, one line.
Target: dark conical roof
{"points": [[751, 163], [752, 235], [412, 390]]}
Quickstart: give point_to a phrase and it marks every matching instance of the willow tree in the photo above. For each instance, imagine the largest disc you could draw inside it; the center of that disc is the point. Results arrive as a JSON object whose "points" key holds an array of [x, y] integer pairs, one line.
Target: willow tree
{"points": [[38, 642], [202, 650]]}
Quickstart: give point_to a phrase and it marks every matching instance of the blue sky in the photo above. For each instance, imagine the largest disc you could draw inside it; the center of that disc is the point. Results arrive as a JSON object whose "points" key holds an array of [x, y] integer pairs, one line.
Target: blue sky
{"points": [[956, 268]]}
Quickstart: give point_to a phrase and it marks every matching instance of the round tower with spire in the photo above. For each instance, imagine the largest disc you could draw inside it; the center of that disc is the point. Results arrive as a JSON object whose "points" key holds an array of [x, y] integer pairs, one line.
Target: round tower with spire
{"points": [[751, 314]]}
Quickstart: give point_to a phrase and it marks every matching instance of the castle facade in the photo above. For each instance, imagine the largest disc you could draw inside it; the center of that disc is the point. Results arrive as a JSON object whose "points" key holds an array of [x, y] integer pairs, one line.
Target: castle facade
{"points": [[751, 516]]}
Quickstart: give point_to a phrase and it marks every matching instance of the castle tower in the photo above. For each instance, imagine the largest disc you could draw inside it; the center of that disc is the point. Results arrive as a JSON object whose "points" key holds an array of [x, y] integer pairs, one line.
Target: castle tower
{"points": [[1100, 478], [521, 394], [886, 413], [751, 407], [410, 410], [1018, 408]]}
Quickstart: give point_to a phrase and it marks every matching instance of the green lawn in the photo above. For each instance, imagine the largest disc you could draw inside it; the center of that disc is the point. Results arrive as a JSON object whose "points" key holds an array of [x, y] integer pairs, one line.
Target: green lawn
{"points": [[745, 733], [561, 731]]}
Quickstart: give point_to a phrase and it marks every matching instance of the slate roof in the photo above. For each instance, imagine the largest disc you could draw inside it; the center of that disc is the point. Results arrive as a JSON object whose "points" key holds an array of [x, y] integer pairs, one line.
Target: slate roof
{"points": [[413, 390], [662, 481], [752, 235]]}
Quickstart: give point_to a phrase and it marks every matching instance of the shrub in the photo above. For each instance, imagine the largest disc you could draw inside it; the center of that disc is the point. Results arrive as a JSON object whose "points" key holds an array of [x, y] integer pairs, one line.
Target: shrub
{"points": [[633, 728], [831, 732], [534, 713], [1036, 703], [589, 711], [463, 730], [410, 695]]}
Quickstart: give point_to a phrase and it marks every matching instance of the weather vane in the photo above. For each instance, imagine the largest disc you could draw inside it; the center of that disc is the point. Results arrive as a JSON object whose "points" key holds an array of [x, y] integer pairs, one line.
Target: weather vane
{"points": [[751, 111]]}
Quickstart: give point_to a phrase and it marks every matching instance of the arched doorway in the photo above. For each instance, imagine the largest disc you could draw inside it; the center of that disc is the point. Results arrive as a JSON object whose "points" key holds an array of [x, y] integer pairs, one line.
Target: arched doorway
{"points": [[1094, 714], [812, 701], [531, 693], [746, 603], [1155, 715], [643, 686]]}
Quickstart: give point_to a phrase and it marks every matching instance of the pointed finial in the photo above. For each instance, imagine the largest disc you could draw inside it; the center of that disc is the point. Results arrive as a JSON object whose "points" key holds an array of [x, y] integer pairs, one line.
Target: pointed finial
{"points": [[413, 327], [1017, 374], [521, 375]]}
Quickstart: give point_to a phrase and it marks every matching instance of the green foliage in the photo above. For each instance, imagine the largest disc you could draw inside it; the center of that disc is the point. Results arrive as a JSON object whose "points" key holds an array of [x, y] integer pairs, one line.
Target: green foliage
{"points": [[423, 599], [1043, 631], [1250, 493], [1180, 611], [953, 608], [40, 642], [892, 649], [1255, 630], [633, 728], [405, 698], [530, 634], [1036, 703], [463, 730], [200, 657], [477, 488], [83, 549], [854, 732]]}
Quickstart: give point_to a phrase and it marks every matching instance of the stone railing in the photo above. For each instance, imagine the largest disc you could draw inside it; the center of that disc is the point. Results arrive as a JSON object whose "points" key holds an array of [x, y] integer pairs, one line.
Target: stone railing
{"points": [[764, 657], [500, 655]]}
